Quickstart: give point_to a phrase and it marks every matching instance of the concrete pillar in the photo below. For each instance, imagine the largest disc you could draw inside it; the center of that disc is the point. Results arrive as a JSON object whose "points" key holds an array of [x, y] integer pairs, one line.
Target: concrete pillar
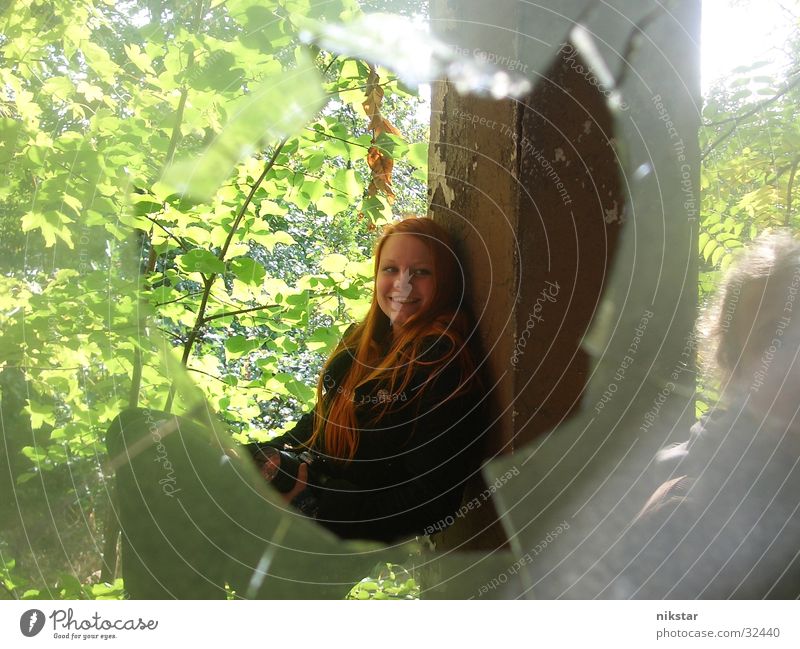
{"points": [[530, 187]]}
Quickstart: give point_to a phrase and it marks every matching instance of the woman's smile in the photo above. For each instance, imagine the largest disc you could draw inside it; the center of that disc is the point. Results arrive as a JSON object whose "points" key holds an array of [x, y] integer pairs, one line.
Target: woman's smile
{"points": [[405, 281]]}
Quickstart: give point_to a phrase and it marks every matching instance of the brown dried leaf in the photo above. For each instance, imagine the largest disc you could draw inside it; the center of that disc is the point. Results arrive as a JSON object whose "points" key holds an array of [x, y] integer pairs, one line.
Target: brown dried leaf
{"points": [[381, 166], [380, 163], [388, 127]]}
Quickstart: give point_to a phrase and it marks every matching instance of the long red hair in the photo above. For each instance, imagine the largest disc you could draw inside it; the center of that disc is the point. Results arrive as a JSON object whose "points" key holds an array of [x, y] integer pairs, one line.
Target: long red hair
{"points": [[336, 429]]}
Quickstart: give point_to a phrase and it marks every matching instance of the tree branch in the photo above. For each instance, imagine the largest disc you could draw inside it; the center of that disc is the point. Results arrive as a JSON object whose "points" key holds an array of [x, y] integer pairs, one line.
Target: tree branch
{"points": [[333, 137], [717, 142], [248, 200], [198, 323], [208, 282], [237, 312], [737, 119], [756, 108], [171, 334], [178, 299], [183, 246], [238, 387]]}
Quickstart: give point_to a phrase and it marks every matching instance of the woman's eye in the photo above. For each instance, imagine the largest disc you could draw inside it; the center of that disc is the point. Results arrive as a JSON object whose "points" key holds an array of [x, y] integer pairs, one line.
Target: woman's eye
{"points": [[388, 269], [422, 271]]}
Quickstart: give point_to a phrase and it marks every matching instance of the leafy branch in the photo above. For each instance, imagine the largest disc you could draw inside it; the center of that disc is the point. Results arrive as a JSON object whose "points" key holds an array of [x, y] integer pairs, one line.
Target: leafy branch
{"points": [[208, 281], [760, 105], [738, 119]]}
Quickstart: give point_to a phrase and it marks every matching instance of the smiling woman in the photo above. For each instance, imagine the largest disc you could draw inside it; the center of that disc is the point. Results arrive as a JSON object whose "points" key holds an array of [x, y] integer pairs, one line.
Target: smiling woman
{"points": [[404, 284], [399, 420]]}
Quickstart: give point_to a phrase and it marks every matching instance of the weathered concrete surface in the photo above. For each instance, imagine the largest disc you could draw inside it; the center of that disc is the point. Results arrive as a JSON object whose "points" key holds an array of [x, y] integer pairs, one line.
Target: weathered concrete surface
{"points": [[530, 189], [570, 211]]}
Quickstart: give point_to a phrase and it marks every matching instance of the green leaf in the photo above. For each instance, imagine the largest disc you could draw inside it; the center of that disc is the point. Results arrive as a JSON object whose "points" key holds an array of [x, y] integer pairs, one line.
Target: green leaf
{"points": [[239, 345], [716, 256], [299, 390], [100, 61], [313, 189], [314, 161], [323, 339], [107, 591], [375, 209], [69, 586], [219, 73], [393, 145], [346, 182], [420, 174], [334, 263], [710, 247], [146, 207], [266, 207], [248, 270], [418, 154], [201, 261], [59, 87], [52, 225], [271, 239], [9, 134], [333, 205], [139, 58], [34, 455], [264, 29], [284, 344]]}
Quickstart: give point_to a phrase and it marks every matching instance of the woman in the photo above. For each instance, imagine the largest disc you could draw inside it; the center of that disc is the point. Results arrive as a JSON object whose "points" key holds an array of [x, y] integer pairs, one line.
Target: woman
{"points": [[399, 419], [726, 523]]}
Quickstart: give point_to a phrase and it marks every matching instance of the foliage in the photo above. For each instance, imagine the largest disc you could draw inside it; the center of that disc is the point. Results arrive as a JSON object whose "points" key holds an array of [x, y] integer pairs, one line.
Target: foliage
{"points": [[749, 144], [171, 174], [391, 581], [749, 149], [64, 586]]}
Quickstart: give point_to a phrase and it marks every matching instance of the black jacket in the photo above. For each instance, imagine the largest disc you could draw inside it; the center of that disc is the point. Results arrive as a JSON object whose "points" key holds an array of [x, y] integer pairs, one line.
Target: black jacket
{"points": [[409, 470]]}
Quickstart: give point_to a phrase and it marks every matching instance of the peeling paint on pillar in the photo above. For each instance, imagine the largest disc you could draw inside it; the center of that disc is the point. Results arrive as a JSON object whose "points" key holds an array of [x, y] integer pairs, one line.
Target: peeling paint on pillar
{"points": [[473, 169], [438, 188]]}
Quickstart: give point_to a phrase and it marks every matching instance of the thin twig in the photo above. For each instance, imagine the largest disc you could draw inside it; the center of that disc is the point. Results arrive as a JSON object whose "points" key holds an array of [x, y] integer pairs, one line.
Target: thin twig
{"points": [[183, 245], [736, 120], [248, 200], [238, 312], [756, 108], [178, 299], [333, 137], [238, 387]]}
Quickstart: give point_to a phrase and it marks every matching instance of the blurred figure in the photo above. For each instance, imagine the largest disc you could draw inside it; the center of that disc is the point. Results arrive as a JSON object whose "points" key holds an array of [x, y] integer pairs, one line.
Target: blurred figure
{"points": [[726, 522]]}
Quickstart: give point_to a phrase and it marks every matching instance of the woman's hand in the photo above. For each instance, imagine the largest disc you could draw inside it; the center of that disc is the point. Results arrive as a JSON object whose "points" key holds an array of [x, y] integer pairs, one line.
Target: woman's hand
{"points": [[299, 485]]}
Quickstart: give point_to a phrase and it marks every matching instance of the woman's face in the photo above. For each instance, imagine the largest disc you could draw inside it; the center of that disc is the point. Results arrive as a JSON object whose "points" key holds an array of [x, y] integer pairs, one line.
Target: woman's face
{"points": [[405, 283]]}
